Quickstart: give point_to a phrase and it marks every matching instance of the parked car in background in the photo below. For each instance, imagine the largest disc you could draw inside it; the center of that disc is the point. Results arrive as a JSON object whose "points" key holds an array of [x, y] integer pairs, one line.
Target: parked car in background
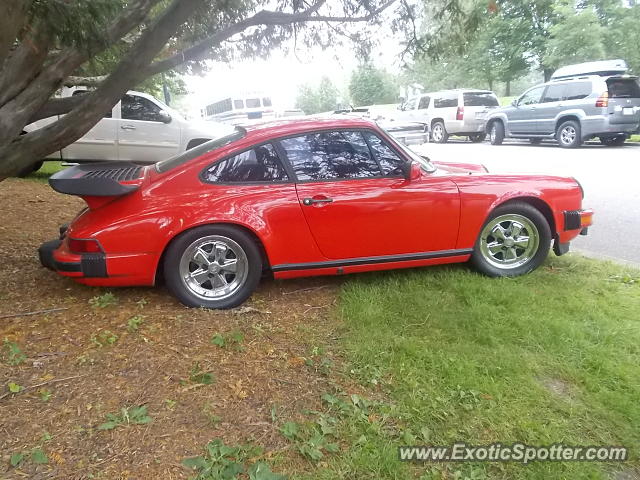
{"points": [[302, 198], [459, 112], [140, 128], [573, 107], [240, 108]]}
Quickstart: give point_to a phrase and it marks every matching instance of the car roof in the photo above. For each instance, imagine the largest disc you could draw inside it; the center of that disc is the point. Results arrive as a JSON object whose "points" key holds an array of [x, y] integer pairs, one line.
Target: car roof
{"points": [[300, 125]]}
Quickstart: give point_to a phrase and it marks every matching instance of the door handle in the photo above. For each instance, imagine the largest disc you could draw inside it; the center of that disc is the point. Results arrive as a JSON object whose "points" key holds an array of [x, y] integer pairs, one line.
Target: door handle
{"points": [[127, 127], [312, 201]]}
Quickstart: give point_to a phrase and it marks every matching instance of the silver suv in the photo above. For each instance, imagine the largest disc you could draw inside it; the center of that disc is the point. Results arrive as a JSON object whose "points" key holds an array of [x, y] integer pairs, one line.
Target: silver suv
{"points": [[451, 112], [572, 109]]}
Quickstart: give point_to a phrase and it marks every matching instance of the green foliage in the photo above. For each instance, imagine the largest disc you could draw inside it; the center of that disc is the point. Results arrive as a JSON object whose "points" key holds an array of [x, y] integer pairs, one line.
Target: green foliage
{"points": [[370, 85], [321, 98], [233, 339], [45, 395], [133, 324], [198, 376], [37, 455], [127, 416], [12, 353], [104, 338], [103, 301], [14, 387], [222, 462], [16, 459]]}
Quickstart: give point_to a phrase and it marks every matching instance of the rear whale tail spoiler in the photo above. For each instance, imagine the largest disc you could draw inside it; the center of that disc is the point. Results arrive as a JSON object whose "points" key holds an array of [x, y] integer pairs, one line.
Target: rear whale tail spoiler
{"points": [[98, 183]]}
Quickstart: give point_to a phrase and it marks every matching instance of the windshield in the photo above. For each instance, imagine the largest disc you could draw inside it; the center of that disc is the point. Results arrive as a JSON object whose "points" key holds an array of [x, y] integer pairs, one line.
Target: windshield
{"points": [[206, 147]]}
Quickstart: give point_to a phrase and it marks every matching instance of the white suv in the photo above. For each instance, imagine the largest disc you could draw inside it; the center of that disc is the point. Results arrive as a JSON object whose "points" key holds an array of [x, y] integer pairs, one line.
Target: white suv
{"points": [[452, 112], [140, 129]]}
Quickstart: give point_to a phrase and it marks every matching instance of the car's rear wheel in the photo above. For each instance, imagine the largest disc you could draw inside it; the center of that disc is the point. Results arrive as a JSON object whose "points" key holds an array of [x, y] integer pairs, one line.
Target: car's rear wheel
{"points": [[514, 240], [214, 266], [568, 134], [613, 141], [535, 141], [496, 133], [477, 138], [439, 133]]}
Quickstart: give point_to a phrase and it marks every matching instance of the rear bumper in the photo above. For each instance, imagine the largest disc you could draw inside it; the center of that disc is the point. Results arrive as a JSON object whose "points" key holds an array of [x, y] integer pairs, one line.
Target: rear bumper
{"points": [[91, 265]]}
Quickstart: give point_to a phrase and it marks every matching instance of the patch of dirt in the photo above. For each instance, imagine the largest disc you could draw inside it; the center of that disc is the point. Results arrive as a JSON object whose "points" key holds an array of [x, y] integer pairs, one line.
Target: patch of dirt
{"points": [[626, 475], [268, 376], [560, 388]]}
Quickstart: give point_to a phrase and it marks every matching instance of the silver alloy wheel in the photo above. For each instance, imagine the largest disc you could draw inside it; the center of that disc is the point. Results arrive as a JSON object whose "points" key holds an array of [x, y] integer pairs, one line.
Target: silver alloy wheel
{"points": [[214, 267], [438, 132], [568, 135], [509, 241]]}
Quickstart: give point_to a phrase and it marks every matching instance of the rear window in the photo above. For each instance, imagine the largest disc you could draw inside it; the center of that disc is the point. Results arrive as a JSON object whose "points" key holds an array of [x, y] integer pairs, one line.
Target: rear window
{"points": [[623, 88], [480, 99], [195, 152], [446, 100]]}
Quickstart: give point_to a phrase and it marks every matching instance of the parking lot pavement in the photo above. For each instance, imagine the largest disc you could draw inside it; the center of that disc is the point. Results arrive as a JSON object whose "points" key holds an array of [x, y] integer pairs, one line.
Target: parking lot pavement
{"points": [[610, 177]]}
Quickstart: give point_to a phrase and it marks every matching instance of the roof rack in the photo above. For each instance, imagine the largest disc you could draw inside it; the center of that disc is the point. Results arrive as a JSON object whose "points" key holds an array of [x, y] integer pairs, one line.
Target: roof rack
{"points": [[602, 68]]}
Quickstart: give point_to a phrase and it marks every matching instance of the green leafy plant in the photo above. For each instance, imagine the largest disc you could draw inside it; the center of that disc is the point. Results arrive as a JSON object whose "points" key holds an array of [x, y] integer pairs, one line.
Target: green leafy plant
{"points": [[136, 415], [45, 395], [104, 338], [170, 404], [16, 459], [12, 353], [103, 301], [313, 439], [198, 376], [36, 455], [229, 463], [233, 340], [133, 324], [14, 387]]}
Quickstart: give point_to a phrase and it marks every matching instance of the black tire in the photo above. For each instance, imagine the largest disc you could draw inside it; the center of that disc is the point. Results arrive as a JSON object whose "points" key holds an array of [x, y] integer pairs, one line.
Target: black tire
{"points": [[535, 141], [30, 169], [495, 261], [248, 266], [496, 133], [439, 132], [617, 141], [477, 138], [569, 134]]}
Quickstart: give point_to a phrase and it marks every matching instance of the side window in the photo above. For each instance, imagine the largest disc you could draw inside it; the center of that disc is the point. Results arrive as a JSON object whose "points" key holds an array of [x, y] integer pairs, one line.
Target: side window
{"points": [[134, 107], [531, 97], [578, 90], [446, 100], [330, 156], [260, 164], [253, 102], [424, 103], [390, 162], [554, 93], [238, 104]]}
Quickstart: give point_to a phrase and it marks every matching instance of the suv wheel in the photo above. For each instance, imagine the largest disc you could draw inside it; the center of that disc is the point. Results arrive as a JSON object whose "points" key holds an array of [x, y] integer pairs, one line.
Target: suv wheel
{"points": [[213, 266], [496, 133], [439, 133], [478, 137], [613, 141], [514, 240], [568, 134]]}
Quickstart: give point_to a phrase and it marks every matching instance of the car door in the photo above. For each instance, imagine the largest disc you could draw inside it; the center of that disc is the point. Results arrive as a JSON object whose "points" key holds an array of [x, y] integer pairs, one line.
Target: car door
{"points": [[522, 118], [552, 104], [99, 143], [357, 202], [146, 133]]}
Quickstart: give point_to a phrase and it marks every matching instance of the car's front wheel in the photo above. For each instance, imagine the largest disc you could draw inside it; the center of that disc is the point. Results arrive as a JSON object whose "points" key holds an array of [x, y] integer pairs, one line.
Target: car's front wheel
{"points": [[568, 134], [439, 133], [477, 138], [496, 133], [214, 266], [514, 240]]}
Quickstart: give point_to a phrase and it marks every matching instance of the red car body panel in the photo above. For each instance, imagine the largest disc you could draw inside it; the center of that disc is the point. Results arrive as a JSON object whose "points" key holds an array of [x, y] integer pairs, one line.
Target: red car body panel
{"points": [[372, 224]]}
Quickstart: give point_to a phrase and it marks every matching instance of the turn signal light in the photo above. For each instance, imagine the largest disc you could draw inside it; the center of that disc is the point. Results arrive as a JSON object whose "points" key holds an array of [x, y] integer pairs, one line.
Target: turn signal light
{"points": [[586, 219], [460, 113], [77, 245], [603, 100]]}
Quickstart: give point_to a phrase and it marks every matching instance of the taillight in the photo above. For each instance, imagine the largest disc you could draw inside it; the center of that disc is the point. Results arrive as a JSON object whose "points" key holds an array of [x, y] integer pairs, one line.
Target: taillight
{"points": [[603, 100], [460, 113], [77, 245]]}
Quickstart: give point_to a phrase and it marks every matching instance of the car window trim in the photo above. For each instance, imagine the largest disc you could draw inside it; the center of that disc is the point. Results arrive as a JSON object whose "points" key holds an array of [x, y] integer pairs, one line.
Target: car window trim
{"points": [[202, 178], [348, 129]]}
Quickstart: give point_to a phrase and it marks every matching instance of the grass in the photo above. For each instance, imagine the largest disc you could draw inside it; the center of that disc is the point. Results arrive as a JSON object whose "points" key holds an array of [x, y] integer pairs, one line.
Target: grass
{"points": [[634, 138], [545, 358], [48, 169]]}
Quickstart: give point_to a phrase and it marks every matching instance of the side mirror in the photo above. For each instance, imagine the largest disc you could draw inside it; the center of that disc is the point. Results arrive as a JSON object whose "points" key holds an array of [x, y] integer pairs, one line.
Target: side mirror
{"points": [[164, 117], [411, 170]]}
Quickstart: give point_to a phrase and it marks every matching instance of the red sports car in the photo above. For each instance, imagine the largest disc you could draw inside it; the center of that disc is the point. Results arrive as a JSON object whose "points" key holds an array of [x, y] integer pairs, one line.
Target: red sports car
{"points": [[301, 198]]}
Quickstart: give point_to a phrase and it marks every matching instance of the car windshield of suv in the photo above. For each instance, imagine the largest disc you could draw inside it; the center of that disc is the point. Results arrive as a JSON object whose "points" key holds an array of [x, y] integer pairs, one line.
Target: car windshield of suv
{"points": [[480, 99], [623, 88], [206, 147]]}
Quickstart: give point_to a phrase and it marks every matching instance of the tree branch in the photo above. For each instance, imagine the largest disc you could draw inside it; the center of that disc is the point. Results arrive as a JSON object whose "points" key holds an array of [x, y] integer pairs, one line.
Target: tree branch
{"points": [[264, 17]]}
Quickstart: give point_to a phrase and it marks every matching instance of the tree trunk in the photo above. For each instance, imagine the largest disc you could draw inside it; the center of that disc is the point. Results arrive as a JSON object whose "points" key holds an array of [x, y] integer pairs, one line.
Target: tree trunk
{"points": [[507, 92], [547, 73]]}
